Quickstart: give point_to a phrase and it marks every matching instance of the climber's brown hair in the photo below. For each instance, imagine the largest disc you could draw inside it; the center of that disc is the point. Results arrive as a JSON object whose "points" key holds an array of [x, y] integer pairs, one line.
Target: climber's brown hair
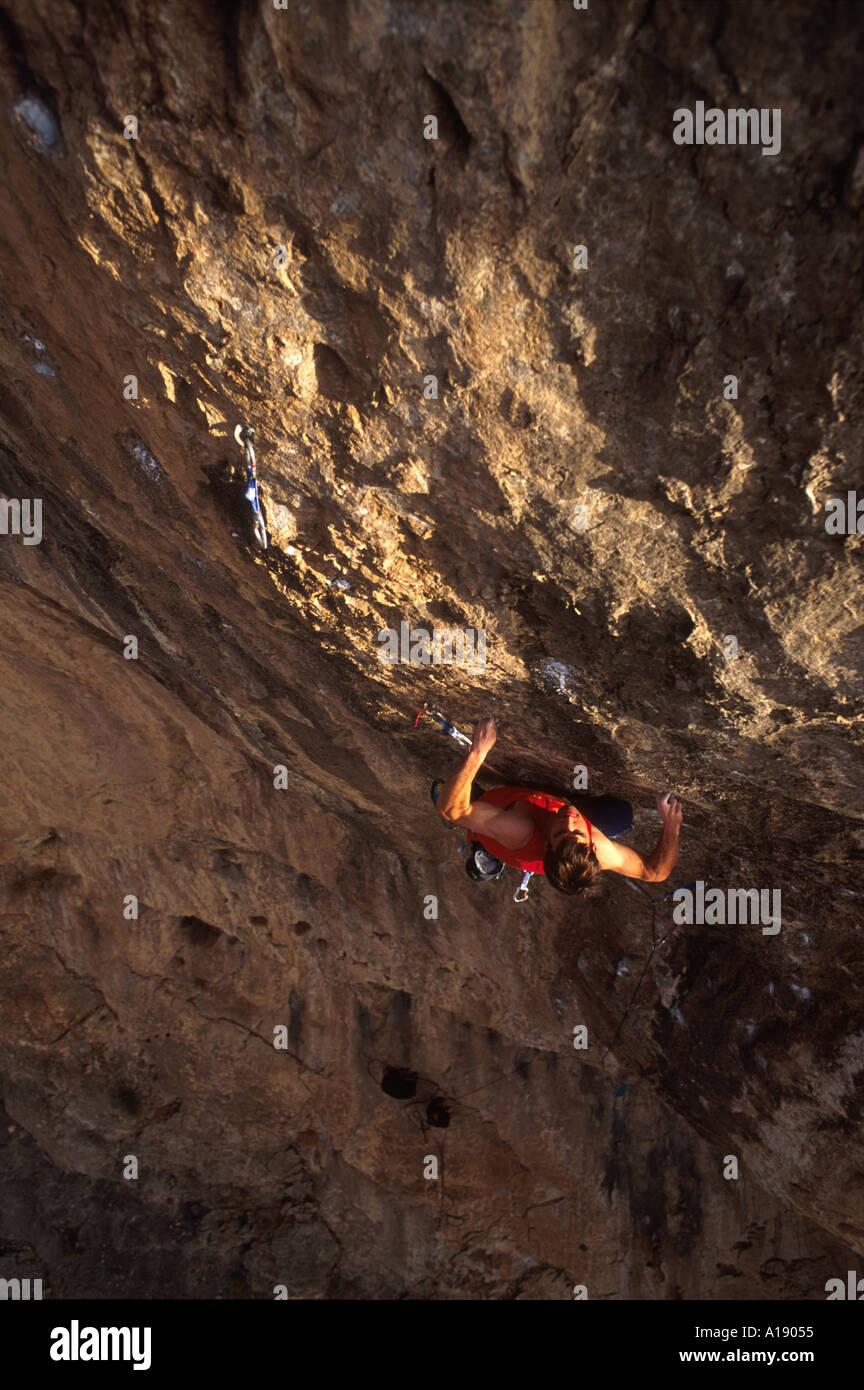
{"points": [[572, 866]]}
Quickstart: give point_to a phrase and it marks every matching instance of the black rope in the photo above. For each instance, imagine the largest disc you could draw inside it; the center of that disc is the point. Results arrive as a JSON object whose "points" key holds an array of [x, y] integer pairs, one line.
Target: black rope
{"points": [[655, 946], [523, 1066]]}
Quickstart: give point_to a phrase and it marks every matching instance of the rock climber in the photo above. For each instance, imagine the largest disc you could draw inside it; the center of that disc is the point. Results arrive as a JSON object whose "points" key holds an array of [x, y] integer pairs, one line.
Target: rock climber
{"points": [[547, 835]]}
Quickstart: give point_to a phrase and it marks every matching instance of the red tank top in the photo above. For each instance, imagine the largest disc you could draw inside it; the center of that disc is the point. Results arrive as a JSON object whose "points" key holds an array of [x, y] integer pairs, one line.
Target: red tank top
{"points": [[530, 856]]}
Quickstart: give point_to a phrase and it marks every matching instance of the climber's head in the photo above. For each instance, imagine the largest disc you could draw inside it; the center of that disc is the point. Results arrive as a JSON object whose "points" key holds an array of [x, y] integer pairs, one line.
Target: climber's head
{"points": [[569, 862]]}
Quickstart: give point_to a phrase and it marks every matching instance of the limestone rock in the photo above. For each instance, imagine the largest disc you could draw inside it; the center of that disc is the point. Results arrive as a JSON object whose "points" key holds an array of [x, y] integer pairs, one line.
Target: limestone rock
{"points": [[435, 391]]}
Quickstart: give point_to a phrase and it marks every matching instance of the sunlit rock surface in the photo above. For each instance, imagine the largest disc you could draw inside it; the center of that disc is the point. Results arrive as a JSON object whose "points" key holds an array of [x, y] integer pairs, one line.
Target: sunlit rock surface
{"points": [[271, 239]]}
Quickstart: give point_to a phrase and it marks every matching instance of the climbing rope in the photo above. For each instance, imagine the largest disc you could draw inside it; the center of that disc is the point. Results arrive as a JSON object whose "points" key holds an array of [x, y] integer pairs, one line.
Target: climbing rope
{"points": [[439, 1094], [401, 1084], [444, 1102], [655, 946], [522, 891], [244, 434]]}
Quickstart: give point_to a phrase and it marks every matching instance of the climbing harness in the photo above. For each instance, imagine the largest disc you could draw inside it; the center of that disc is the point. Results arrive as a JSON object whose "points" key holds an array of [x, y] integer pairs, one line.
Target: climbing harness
{"points": [[244, 434]]}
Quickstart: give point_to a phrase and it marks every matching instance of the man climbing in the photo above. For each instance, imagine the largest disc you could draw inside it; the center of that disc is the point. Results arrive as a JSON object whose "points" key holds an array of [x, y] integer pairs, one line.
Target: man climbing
{"points": [[546, 835]]}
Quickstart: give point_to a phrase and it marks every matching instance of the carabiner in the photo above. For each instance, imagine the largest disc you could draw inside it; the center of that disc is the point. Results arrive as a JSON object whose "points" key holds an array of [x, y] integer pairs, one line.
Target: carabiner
{"points": [[244, 434], [522, 891]]}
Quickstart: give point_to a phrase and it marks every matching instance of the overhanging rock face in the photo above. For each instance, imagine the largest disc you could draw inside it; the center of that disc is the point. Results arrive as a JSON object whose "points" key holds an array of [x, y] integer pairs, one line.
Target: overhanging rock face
{"points": [[551, 377]]}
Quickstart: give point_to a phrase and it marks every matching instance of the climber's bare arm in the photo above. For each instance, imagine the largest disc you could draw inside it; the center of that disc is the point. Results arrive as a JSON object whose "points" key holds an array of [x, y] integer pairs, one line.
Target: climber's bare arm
{"points": [[511, 828], [657, 867], [454, 799]]}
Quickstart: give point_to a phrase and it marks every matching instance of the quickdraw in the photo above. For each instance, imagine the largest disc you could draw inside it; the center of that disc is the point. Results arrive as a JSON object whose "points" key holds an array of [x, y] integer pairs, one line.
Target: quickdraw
{"points": [[443, 722], [447, 728], [244, 434]]}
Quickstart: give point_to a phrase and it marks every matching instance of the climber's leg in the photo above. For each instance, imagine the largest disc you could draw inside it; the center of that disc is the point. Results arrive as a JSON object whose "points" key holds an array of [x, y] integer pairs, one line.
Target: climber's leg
{"points": [[611, 814]]}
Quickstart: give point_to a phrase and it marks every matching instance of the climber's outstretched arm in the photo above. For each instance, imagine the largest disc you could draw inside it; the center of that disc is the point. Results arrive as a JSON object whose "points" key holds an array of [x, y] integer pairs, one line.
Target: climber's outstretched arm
{"points": [[454, 799], [657, 867]]}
